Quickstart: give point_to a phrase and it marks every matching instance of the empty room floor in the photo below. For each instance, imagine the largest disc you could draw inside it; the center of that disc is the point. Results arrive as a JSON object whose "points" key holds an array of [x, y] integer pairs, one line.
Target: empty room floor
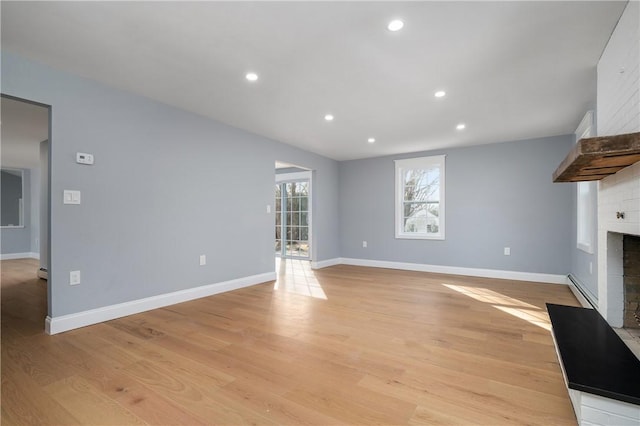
{"points": [[340, 345]]}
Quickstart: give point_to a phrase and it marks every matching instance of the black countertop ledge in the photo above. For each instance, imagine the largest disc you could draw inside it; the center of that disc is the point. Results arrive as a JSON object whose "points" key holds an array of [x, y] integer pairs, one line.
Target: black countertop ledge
{"points": [[594, 357]]}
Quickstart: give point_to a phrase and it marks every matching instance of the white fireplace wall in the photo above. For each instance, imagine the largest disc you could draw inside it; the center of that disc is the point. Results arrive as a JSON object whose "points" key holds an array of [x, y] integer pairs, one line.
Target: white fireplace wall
{"points": [[618, 112]]}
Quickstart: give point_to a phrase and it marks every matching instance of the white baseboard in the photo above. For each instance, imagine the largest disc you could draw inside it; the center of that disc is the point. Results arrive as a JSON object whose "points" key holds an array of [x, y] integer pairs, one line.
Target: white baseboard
{"points": [[454, 270], [27, 255], [326, 263], [94, 316]]}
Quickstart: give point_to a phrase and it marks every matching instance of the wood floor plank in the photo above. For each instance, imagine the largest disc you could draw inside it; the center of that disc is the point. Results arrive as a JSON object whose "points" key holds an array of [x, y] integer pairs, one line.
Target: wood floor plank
{"points": [[88, 404], [26, 403], [339, 345], [272, 406]]}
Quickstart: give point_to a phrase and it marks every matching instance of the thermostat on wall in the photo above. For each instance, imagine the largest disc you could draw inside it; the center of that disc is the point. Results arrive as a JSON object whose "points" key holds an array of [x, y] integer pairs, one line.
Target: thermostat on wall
{"points": [[83, 158]]}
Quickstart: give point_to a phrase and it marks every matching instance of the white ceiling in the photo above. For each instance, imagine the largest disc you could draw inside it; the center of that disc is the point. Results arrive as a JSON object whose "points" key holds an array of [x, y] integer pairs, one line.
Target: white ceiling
{"points": [[512, 70], [24, 126]]}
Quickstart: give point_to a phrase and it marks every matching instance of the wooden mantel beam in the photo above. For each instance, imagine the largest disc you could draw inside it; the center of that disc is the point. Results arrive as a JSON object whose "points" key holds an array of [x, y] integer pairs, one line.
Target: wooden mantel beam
{"points": [[599, 157]]}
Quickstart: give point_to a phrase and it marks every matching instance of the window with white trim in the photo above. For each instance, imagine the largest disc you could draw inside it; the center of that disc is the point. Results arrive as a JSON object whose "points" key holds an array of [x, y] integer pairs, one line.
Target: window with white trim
{"points": [[420, 198], [586, 194]]}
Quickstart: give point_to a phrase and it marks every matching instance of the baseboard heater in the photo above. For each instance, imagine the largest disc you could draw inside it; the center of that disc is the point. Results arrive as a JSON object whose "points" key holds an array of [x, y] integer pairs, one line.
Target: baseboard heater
{"points": [[43, 273], [576, 286]]}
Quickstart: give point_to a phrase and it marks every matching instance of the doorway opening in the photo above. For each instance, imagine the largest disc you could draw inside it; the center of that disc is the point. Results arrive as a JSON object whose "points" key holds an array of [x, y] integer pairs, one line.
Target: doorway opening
{"points": [[25, 238], [293, 212]]}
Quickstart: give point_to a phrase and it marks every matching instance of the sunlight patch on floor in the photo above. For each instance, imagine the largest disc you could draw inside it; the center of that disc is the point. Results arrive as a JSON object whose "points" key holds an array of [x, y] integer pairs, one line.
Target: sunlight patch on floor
{"points": [[506, 304], [296, 276]]}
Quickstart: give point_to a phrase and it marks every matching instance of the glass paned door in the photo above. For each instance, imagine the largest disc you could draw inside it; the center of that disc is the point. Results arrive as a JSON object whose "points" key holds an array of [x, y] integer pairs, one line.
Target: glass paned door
{"points": [[292, 219]]}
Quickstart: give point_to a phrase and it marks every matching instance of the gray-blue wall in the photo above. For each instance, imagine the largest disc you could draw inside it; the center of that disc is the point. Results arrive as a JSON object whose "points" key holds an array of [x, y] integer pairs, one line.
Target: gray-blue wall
{"points": [[498, 195], [11, 190], [18, 239], [167, 186]]}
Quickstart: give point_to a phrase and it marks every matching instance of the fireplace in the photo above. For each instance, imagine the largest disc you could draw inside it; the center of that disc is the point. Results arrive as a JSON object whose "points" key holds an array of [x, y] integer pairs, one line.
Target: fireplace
{"points": [[619, 229]]}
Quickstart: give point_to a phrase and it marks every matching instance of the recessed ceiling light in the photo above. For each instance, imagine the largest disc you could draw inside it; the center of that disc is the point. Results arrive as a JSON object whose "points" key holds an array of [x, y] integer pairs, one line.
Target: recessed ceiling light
{"points": [[251, 76], [395, 25], [440, 94], [328, 117], [371, 140], [461, 126]]}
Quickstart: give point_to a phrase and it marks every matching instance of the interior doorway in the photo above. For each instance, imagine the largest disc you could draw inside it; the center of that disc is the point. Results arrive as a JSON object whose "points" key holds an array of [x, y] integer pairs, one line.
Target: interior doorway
{"points": [[293, 212], [25, 241]]}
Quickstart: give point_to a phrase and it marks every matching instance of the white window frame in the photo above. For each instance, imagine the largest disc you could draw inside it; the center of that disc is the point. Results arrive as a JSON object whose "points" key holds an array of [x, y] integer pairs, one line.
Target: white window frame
{"points": [[411, 164], [585, 220]]}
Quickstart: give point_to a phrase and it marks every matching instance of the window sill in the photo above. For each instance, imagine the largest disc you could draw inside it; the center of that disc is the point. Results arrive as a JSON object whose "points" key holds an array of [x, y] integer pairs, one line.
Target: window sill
{"points": [[419, 237], [585, 248]]}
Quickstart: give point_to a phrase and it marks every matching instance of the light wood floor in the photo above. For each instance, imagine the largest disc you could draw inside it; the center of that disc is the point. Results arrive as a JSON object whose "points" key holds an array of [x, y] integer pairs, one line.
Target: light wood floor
{"points": [[338, 345]]}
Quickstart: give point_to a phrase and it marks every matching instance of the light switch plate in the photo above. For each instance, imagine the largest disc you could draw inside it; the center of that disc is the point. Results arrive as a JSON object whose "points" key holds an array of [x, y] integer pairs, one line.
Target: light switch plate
{"points": [[74, 277], [71, 197]]}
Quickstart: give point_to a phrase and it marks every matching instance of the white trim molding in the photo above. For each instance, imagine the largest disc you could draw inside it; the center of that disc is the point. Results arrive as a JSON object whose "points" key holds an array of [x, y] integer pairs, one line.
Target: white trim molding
{"points": [[94, 316], [326, 263], [11, 256], [453, 270]]}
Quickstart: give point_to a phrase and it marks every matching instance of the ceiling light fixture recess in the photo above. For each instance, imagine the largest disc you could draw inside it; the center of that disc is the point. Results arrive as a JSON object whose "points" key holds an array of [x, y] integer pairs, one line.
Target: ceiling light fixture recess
{"points": [[461, 126], [371, 140], [328, 117], [440, 94], [395, 25], [251, 76]]}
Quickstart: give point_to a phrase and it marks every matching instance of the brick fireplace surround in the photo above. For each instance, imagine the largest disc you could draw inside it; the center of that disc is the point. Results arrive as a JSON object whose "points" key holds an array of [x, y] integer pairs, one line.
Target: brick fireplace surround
{"points": [[631, 281]]}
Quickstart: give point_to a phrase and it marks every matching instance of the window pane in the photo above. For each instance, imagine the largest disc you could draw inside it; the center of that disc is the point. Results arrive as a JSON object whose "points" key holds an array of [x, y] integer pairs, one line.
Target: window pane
{"points": [[292, 248], [295, 233], [303, 249], [295, 204], [303, 188], [415, 225], [423, 185], [411, 177], [304, 201], [278, 232], [433, 219], [278, 219], [304, 219], [304, 233], [413, 209], [415, 218], [410, 193], [278, 204]]}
